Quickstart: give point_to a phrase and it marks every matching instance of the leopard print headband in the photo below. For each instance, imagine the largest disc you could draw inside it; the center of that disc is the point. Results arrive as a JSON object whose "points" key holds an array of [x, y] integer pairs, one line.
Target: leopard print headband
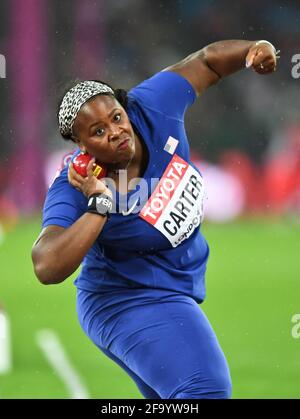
{"points": [[74, 99]]}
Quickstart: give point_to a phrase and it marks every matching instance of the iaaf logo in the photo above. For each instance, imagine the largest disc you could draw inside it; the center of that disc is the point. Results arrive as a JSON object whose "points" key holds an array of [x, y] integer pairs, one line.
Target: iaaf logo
{"points": [[2, 67]]}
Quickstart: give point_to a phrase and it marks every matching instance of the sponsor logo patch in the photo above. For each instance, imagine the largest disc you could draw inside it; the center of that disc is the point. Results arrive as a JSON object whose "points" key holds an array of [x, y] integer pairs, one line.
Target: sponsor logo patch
{"points": [[175, 207]]}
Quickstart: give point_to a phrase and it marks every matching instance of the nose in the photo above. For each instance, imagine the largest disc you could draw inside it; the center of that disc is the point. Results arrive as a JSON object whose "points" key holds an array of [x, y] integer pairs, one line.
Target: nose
{"points": [[115, 132]]}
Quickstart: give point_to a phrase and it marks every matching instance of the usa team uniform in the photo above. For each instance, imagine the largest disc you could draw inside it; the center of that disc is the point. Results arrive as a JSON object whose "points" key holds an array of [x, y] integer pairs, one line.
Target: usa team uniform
{"points": [[142, 279]]}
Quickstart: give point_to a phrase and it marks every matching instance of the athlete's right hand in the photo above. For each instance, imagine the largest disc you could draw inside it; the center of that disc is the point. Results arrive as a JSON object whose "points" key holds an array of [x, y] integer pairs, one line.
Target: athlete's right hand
{"points": [[87, 185]]}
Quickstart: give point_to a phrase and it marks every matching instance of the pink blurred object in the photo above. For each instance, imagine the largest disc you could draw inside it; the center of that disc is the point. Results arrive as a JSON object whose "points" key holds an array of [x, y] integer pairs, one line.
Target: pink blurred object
{"points": [[225, 195], [282, 174]]}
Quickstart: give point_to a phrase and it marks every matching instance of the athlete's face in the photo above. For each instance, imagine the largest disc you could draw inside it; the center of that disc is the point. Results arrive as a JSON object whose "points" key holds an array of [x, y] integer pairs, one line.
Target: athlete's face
{"points": [[102, 128]]}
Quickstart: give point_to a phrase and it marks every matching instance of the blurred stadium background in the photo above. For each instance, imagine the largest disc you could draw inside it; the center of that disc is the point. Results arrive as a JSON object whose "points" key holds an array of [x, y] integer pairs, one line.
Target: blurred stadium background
{"points": [[245, 136]]}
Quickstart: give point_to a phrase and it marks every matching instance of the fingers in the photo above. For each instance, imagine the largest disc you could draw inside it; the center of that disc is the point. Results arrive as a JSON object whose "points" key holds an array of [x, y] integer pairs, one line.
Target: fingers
{"points": [[77, 185], [265, 67], [74, 178], [262, 59], [250, 58], [89, 184], [73, 174], [89, 168], [264, 64]]}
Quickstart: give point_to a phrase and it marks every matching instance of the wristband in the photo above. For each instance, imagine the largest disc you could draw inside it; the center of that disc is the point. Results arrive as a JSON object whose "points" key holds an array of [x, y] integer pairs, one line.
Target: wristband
{"points": [[100, 204], [269, 43]]}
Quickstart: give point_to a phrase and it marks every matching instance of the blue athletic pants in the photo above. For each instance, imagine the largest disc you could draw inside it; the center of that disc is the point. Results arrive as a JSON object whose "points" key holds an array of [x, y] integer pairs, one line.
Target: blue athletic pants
{"points": [[162, 339]]}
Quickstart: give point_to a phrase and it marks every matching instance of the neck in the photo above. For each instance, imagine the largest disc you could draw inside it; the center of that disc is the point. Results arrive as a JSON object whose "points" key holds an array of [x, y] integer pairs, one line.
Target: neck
{"points": [[121, 166]]}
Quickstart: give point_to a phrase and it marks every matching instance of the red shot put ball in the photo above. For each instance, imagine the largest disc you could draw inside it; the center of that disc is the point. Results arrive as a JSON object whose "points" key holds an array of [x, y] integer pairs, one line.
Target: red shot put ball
{"points": [[80, 164]]}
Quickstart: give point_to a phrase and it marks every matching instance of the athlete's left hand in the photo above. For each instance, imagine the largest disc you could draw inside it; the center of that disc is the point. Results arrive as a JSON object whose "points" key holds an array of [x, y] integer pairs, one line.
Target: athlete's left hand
{"points": [[262, 58]]}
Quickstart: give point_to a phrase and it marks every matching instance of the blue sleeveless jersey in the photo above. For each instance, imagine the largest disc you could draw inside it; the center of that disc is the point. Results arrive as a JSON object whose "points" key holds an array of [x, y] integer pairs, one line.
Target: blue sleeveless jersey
{"points": [[153, 239]]}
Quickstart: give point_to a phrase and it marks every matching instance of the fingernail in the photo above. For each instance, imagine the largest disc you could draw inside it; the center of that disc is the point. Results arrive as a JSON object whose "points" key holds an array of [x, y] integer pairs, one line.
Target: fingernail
{"points": [[247, 64]]}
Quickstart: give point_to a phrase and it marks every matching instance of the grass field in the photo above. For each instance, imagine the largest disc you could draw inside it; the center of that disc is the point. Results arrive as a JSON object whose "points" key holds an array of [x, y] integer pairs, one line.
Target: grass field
{"points": [[253, 290]]}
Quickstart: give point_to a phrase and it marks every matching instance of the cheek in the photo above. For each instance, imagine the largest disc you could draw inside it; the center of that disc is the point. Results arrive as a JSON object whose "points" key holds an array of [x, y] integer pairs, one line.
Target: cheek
{"points": [[99, 147], [128, 126]]}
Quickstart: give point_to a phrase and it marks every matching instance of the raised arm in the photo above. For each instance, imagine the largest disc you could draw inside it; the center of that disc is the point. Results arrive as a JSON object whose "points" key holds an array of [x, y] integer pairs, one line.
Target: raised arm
{"points": [[220, 59]]}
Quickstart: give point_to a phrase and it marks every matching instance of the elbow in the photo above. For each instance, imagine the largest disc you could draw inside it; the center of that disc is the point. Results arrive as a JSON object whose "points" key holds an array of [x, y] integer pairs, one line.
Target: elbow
{"points": [[210, 58], [44, 270], [42, 274]]}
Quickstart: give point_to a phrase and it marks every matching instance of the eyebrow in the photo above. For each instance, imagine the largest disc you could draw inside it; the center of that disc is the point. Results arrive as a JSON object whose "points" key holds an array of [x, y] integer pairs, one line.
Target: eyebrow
{"points": [[99, 122]]}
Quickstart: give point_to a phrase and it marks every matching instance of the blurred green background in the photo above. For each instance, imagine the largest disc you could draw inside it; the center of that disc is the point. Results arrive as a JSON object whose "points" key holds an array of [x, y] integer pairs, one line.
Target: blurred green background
{"points": [[252, 294]]}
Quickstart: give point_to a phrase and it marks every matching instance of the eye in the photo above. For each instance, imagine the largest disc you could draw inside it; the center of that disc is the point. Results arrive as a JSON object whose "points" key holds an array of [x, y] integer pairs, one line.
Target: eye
{"points": [[117, 117], [99, 132]]}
